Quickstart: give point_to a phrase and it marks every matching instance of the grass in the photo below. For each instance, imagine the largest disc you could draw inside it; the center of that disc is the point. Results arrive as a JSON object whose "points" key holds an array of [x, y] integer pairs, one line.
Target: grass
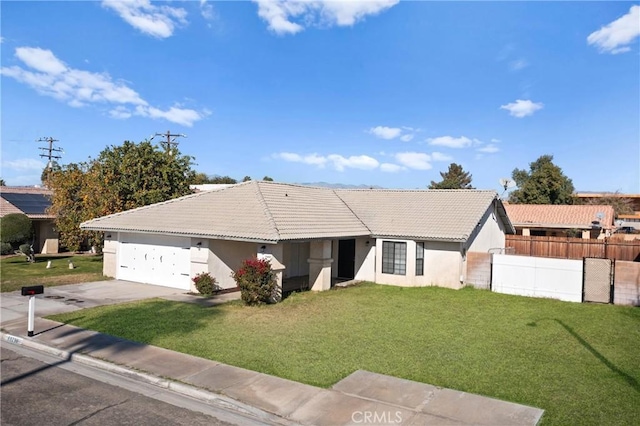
{"points": [[17, 272], [579, 362]]}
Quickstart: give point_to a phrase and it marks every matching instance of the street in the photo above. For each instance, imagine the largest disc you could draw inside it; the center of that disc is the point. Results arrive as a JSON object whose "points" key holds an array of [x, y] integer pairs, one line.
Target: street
{"points": [[40, 389]]}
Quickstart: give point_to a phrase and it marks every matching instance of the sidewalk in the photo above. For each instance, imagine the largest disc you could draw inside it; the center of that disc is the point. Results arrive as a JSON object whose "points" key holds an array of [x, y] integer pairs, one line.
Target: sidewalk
{"points": [[361, 398]]}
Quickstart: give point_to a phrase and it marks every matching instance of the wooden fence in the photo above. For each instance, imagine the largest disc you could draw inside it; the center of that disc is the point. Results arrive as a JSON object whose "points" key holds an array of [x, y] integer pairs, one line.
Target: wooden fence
{"points": [[573, 248]]}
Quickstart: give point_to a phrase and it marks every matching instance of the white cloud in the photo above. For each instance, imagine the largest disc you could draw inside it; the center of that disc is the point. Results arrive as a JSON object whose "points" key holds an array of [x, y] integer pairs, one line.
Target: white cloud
{"points": [[206, 10], [406, 134], [312, 159], [41, 60], [522, 108], [518, 64], [391, 168], [414, 160], [363, 162], [384, 132], [52, 77], [616, 36], [451, 142], [156, 21], [120, 112], [281, 14], [438, 156], [183, 116], [23, 164], [489, 148]]}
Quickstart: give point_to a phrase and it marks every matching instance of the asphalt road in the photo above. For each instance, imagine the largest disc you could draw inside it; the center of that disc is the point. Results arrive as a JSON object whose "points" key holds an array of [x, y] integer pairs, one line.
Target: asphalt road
{"points": [[38, 389]]}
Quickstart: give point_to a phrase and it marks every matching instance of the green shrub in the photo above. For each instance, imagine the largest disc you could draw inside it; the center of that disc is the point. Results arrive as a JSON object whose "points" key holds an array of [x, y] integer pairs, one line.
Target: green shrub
{"points": [[25, 249], [5, 248], [15, 228], [257, 282], [205, 283]]}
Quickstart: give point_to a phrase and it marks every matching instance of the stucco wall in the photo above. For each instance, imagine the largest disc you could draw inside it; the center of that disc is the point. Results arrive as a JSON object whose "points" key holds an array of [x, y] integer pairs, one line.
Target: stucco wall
{"points": [[365, 267], [110, 256], [489, 235], [442, 265], [47, 237], [227, 256]]}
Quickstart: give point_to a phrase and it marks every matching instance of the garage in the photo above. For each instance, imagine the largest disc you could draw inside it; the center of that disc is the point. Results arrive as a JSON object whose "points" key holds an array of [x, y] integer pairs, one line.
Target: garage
{"points": [[155, 259]]}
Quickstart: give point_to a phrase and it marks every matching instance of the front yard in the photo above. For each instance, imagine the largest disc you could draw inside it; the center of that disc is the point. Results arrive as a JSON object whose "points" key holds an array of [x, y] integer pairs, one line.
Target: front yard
{"points": [[579, 362], [17, 272]]}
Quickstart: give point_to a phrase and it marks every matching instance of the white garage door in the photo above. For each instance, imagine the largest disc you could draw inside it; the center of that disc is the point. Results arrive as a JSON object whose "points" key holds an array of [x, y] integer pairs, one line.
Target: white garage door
{"points": [[155, 259]]}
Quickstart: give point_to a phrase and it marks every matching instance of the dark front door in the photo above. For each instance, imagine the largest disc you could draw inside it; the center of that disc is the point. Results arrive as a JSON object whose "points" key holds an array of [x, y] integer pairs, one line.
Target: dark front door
{"points": [[346, 258]]}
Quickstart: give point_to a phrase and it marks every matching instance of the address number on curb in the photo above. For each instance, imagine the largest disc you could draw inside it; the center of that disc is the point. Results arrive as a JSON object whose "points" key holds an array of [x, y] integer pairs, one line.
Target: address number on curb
{"points": [[13, 339]]}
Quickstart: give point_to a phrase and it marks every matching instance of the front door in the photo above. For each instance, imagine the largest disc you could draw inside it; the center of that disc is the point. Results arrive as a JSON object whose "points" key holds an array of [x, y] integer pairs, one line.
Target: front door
{"points": [[346, 258]]}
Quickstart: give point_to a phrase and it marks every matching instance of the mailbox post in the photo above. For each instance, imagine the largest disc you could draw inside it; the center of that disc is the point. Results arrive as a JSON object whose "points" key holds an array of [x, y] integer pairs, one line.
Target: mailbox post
{"points": [[31, 291]]}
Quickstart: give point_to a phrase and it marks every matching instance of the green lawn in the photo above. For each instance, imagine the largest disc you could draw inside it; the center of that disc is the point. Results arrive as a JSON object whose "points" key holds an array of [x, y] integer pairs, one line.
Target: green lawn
{"points": [[16, 272], [579, 362]]}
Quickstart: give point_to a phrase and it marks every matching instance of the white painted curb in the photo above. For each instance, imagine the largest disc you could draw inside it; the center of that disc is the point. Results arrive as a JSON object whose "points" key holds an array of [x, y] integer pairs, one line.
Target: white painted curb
{"points": [[181, 388]]}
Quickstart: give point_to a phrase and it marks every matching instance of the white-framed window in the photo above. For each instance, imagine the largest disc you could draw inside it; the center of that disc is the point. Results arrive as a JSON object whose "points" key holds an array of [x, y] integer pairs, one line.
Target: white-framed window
{"points": [[394, 258], [419, 259]]}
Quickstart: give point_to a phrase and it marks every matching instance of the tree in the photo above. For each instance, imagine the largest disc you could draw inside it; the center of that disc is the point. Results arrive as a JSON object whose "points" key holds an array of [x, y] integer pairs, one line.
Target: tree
{"points": [[454, 178], [544, 183], [49, 168], [202, 178], [267, 179], [16, 228], [246, 179], [2, 182], [121, 178], [620, 204]]}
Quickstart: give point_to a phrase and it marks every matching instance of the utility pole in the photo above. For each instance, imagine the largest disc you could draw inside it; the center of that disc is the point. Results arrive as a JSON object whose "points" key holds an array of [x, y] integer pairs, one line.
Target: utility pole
{"points": [[170, 140], [49, 151]]}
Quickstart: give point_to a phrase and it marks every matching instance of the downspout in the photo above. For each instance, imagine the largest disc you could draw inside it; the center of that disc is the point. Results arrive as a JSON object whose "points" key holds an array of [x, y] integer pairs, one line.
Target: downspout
{"points": [[463, 257]]}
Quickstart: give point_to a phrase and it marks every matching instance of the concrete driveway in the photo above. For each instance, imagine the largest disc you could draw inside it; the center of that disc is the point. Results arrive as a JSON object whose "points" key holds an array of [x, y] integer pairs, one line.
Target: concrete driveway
{"points": [[68, 298]]}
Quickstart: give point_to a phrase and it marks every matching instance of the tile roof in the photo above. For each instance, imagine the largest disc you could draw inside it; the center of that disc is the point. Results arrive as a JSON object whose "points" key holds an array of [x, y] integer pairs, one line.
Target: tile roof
{"points": [[448, 215], [270, 212], [560, 216], [7, 207]]}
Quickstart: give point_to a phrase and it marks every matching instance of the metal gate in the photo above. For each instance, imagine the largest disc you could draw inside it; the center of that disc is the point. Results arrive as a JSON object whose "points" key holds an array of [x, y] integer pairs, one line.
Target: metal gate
{"points": [[597, 280]]}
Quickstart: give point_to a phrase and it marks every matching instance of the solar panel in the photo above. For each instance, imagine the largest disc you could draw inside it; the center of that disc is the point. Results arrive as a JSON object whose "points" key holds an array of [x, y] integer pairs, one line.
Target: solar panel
{"points": [[28, 203]]}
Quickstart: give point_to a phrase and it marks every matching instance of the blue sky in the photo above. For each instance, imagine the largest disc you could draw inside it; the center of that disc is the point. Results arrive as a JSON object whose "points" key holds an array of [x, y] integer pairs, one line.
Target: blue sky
{"points": [[380, 93]]}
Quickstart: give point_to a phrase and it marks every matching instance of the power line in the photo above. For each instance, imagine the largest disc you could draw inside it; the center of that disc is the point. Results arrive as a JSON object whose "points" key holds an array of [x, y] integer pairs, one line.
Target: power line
{"points": [[170, 140], [50, 152]]}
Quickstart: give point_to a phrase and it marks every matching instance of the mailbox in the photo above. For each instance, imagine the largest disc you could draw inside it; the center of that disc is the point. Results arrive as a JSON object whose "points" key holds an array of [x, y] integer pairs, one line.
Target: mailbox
{"points": [[32, 290]]}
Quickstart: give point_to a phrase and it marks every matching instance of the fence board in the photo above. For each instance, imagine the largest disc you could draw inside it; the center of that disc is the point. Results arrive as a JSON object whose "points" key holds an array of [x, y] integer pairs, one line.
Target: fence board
{"points": [[573, 248]]}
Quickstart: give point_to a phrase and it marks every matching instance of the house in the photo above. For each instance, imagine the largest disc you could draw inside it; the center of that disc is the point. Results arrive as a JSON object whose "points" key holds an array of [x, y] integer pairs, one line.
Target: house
{"points": [[624, 220], [33, 202], [310, 234], [586, 221]]}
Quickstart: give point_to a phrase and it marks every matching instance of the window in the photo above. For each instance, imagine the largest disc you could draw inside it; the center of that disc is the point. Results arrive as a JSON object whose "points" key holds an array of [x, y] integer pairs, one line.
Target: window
{"points": [[419, 259], [394, 258]]}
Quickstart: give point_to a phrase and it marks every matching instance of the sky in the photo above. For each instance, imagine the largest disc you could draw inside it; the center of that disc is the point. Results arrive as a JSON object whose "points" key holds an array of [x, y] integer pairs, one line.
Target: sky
{"points": [[383, 93]]}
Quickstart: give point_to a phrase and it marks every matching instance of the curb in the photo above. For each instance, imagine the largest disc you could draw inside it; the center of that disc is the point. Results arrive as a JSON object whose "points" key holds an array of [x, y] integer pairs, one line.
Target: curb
{"points": [[174, 386]]}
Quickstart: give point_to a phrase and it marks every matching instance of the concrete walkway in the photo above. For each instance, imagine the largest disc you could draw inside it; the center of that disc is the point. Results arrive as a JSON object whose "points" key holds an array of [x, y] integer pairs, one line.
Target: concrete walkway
{"points": [[361, 398]]}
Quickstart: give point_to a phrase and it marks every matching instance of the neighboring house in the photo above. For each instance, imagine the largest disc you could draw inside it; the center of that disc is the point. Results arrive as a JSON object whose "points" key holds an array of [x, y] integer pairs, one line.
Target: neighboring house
{"points": [[310, 234], [32, 201], [625, 220], [588, 221]]}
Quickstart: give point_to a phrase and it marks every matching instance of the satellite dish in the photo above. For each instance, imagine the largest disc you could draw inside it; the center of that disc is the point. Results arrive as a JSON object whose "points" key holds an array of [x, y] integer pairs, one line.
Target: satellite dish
{"points": [[506, 183], [600, 216], [619, 223]]}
